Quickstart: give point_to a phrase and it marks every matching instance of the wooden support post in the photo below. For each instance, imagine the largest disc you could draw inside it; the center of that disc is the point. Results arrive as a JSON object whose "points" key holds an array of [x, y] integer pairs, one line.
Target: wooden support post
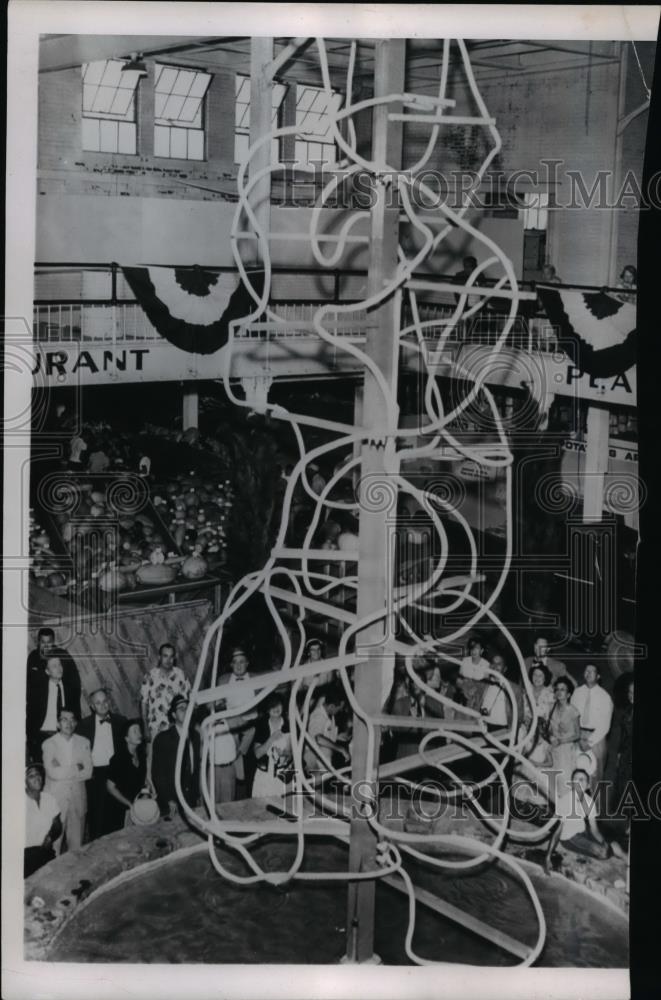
{"points": [[358, 422], [617, 165], [596, 463], [377, 464], [261, 84], [190, 409]]}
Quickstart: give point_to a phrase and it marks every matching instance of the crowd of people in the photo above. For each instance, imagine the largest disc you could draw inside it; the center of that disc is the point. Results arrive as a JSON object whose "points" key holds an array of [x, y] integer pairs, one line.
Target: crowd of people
{"points": [[89, 776], [85, 776]]}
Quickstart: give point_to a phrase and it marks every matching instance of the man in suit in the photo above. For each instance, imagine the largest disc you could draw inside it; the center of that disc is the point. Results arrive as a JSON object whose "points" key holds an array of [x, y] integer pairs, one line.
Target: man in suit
{"points": [[541, 655], [47, 693], [104, 731], [164, 761], [37, 664], [68, 765]]}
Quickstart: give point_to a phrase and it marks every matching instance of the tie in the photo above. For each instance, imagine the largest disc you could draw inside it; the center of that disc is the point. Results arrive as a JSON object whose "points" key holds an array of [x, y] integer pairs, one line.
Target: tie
{"points": [[586, 710], [104, 722], [60, 699]]}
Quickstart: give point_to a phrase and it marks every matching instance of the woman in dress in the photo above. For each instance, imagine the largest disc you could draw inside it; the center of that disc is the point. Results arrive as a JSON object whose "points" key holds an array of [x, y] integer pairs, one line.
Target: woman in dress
{"points": [[272, 749], [537, 748], [127, 773], [564, 733]]}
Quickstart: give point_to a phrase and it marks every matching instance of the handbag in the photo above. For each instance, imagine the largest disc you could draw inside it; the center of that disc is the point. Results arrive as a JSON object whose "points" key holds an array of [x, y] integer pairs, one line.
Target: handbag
{"points": [[145, 810]]}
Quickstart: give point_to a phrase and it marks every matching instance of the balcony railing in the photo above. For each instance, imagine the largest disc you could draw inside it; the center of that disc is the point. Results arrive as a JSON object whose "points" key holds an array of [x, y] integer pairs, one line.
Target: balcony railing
{"points": [[116, 320], [125, 322]]}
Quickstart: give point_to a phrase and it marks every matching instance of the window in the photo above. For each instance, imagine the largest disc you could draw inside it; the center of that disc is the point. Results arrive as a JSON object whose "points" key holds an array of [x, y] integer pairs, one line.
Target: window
{"points": [[108, 122], [179, 112], [242, 118], [313, 108], [535, 212]]}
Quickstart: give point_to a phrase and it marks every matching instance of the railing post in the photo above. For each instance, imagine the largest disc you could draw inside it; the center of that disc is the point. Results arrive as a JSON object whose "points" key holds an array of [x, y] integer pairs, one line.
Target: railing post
{"points": [[113, 283]]}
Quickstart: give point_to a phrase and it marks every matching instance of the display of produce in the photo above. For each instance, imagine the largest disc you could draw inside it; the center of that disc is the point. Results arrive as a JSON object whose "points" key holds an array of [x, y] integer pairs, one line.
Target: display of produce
{"points": [[101, 534]]}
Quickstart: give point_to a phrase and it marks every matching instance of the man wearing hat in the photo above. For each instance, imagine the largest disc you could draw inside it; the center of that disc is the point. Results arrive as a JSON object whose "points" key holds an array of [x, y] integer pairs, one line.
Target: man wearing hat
{"points": [[234, 735], [595, 706], [315, 651], [43, 824], [166, 745]]}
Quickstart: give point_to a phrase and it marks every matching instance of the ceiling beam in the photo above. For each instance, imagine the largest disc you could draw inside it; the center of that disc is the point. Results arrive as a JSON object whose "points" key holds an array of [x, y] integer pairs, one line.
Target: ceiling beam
{"points": [[563, 48], [71, 51]]}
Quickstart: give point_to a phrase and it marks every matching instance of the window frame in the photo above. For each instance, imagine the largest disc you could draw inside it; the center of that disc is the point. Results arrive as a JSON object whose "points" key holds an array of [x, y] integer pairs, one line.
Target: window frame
{"points": [[108, 117], [308, 143], [243, 131], [171, 127]]}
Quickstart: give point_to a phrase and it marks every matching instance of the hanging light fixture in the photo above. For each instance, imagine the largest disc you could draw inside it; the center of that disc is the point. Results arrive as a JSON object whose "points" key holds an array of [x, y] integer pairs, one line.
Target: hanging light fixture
{"points": [[135, 64]]}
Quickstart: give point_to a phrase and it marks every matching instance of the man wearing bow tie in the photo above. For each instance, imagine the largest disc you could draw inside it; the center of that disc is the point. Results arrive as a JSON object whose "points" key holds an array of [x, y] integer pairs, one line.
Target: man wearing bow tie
{"points": [[47, 694], [104, 730]]}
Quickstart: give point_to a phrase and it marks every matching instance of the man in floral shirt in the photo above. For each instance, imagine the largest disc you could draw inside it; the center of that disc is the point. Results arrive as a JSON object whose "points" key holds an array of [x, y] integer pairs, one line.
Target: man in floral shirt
{"points": [[160, 686]]}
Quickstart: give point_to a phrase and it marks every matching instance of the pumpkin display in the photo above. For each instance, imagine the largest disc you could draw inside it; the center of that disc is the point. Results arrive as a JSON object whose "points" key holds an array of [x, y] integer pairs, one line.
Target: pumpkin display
{"points": [[156, 575], [195, 567], [110, 580], [130, 580], [186, 519]]}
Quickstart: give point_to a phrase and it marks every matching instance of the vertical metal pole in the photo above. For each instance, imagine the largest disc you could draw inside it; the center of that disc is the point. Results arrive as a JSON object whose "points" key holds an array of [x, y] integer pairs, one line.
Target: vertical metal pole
{"points": [[261, 85], [375, 566], [617, 163], [596, 463]]}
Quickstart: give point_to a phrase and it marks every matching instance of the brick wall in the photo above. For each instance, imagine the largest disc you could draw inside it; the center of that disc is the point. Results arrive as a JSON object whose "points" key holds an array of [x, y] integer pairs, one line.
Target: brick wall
{"points": [[568, 115], [65, 168]]}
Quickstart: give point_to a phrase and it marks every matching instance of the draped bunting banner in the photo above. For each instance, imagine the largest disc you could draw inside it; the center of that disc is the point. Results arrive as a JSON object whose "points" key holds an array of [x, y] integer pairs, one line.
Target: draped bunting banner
{"points": [[191, 307], [598, 329]]}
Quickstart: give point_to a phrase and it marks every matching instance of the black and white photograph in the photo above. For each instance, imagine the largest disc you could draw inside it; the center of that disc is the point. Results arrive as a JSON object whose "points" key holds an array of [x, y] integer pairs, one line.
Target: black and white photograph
{"points": [[322, 497]]}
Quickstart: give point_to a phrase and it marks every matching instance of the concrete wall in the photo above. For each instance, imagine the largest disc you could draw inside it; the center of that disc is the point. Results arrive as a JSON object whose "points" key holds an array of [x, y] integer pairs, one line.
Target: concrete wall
{"points": [[87, 229]]}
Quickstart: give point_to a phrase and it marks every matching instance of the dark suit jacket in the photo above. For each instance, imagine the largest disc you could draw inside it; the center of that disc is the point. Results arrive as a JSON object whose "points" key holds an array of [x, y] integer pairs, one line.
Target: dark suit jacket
{"points": [[71, 677], [163, 767], [117, 722], [37, 701]]}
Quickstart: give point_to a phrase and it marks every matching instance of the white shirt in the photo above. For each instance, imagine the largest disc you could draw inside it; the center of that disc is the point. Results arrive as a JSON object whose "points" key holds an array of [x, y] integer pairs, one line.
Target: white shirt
{"points": [[39, 818], [320, 723], [474, 671], [572, 812], [596, 708], [238, 691], [224, 744], [494, 701], [64, 749], [103, 747], [49, 724]]}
